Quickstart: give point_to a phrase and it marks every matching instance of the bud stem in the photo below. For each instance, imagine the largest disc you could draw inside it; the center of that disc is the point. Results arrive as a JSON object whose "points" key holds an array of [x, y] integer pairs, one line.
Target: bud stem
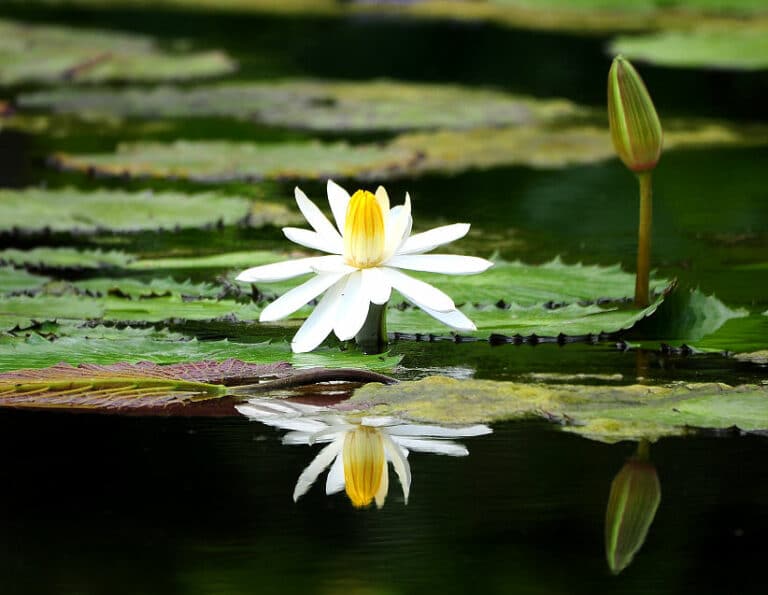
{"points": [[642, 281], [372, 337]]}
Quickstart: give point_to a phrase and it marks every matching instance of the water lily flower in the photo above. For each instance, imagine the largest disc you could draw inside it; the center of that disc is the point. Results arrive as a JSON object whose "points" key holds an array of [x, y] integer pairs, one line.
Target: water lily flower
{"points": [[357, 449], [366, 249]]}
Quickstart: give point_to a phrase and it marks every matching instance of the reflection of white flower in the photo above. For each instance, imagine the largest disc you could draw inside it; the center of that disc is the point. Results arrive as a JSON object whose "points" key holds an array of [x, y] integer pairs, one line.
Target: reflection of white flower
{"points": [[357, 450], [368, 245]]}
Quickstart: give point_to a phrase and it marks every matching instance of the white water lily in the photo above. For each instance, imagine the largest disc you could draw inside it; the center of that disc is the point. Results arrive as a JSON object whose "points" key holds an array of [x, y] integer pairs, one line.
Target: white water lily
{"points": [[357, 449], [366, 249]]}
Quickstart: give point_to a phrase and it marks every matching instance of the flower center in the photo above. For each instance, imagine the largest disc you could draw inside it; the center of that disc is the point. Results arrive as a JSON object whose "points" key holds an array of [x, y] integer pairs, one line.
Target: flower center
{"points": [[364, 231], [364, 463]]}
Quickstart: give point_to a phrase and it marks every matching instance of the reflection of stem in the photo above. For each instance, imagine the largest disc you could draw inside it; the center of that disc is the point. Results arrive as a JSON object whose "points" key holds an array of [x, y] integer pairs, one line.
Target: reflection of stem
{"points": [[312, 376], [642, 297], [372, 337], [643, 450]]}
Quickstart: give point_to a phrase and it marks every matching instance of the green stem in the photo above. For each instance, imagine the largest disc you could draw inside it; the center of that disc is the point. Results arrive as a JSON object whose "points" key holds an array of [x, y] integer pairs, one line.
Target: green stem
{"points": [[642, 281], [643, 450], [372, 338]]}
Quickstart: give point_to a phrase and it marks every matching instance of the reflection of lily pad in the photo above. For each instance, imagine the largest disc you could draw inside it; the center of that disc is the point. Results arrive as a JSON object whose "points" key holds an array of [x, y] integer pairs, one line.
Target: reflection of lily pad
{"points": [[743, 48], [70, 210], [106, 345], [42, 53], [609, 413], [317, 105], [453, 151]]}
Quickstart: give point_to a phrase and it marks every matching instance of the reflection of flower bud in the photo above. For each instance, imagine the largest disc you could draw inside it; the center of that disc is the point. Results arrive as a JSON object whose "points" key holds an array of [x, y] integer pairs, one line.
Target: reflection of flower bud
{"points": [[632, 504], [635, 128]]}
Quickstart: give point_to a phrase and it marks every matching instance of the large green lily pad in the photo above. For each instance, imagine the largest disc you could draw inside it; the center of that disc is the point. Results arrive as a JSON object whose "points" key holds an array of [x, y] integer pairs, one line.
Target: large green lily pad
{"points": [[316, 105], [607, 413], [36, 210], [741, 48], [409, 154], [53, 54], [13, 280]]}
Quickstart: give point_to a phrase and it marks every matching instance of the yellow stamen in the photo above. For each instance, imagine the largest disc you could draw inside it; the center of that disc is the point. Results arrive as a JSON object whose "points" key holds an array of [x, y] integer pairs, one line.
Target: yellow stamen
{"points": [[363, 456], [364, 231]]}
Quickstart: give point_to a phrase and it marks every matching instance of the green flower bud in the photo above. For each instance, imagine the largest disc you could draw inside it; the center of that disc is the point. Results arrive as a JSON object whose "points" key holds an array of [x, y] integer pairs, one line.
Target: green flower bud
{"points": [[632, 504], [635, 127]]}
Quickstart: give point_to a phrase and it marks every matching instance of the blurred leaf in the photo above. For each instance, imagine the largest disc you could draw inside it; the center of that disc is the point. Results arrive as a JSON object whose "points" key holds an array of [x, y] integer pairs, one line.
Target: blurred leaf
{"points": [[132, 288], [24, 311], [70, 210], [64, 258], [13, 280], [54, 54]]}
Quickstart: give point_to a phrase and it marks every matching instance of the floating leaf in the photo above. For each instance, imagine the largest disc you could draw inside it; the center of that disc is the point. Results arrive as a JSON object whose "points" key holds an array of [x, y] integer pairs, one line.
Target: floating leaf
{"points": [[24, 311], [409, 154], [53, 54], [106, 345], [13, 280], [38, 210], [742, 48], [607, 413], [132, 288], [64, 258], [307, 104]]}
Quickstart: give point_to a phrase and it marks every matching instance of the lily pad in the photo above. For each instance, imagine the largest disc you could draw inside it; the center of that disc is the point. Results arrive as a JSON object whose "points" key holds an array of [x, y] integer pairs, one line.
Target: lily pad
{"points": [[24, 311], [409, 154], [107, 345], [37, 210], [132, 288], [64, 258], [606, 413], [54, 54], [13, 280], [315, 105], [739, 48]]}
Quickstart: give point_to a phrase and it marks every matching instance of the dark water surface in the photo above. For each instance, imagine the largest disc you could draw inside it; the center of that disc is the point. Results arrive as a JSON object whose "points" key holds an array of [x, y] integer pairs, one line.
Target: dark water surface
{"points": [[96, 504]]}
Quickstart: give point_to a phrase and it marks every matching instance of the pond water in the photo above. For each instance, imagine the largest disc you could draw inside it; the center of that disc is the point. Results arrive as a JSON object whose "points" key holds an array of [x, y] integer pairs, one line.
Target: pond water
{"points": [[202, 504]]}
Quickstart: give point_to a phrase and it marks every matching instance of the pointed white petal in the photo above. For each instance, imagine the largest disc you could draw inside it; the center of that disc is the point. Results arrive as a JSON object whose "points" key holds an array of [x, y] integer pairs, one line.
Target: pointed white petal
{"points": [[397, 228], [439, 447], [279, 408], [320, 323], [334, 430], [318, 220], [454, 318], [448, 264], [294, 299], [335, 481], [376, 285], [315, 468], [353, 308], [311, 239], [380, 421], [383, 199], [338, 198], [332, 264], [420, 293], [419, 430], [278, 271], [296, 424], [429, 240], [381, 493], [398, 456]]}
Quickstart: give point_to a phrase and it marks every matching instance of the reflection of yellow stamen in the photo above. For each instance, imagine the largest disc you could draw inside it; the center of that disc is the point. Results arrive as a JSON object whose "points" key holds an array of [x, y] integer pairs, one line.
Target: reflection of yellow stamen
{"points": [[363, 455], [364, 231]]}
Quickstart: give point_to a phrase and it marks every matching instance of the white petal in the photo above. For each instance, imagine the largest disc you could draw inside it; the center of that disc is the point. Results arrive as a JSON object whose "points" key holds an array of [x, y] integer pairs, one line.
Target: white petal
{"points": [[383, 199], [268, 406], [397, 228], [381, 493], [335, 481], [454, 318], [399, 461], [376, 285], [420, 293], [449, 264], [332, 264], [429, 240], [294, 299], [318, 220], [338, 198], [419, 430], [311, 239], [320, 323], [278, 271], [315, 468], [439, 447], [353, 308]]}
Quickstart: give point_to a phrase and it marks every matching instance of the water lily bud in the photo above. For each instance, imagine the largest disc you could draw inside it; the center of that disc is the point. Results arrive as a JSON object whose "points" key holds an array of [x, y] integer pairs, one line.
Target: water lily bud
{"points": [[635, 127], [632, 504]]}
